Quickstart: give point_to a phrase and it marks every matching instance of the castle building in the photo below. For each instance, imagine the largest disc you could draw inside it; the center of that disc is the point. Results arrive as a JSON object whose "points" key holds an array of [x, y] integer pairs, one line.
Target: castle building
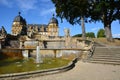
{"points": [[32, 35], [20, 27]]}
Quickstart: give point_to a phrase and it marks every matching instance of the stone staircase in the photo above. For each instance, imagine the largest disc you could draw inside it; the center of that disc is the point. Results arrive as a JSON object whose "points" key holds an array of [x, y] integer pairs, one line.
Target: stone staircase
{"points": [[106, 55]]}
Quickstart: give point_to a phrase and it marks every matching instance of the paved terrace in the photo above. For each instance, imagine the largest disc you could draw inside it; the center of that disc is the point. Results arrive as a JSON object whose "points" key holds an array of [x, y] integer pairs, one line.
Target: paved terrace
{"points": [[85, 71]]}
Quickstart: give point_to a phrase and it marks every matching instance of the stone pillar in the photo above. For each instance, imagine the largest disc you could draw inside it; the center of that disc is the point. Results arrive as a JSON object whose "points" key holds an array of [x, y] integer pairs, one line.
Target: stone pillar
{"points": [[0, 45], [55, 53], [38, 55], [25, 53], [21, 44], [67, 38]]}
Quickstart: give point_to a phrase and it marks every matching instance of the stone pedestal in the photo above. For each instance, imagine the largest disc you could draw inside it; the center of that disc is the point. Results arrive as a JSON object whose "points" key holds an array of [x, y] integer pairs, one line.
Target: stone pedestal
{"points": [[68, 42]]}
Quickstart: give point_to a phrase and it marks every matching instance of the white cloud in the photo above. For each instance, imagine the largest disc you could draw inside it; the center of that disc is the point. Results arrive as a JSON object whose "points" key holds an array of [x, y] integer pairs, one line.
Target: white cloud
{"points": [[95, 28], [48, 11], [116, 35], [7, 3], [43, 7], [26, 5]]}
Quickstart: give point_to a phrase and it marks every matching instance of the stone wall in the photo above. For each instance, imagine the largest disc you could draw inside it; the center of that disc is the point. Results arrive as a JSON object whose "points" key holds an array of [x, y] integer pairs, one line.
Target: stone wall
{"points": [[56, 53], [31, 44], [55, 44], [50, 44], [44, 53]]}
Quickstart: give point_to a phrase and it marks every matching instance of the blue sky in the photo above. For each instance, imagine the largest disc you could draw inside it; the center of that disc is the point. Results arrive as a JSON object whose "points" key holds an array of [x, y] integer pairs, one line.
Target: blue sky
{"points": [[40, 12]]}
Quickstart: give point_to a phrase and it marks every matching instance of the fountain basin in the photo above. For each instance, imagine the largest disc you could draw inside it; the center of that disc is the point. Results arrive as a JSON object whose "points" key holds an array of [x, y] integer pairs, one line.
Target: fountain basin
{"points": [[20, 65]]}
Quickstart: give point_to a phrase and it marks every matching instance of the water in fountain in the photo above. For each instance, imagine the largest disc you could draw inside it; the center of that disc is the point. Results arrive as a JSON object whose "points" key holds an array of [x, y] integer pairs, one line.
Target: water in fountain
{"points": [[38, 55]]}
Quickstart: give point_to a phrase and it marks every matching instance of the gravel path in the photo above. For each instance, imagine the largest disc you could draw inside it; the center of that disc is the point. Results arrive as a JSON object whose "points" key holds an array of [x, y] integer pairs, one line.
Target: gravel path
{"points": [[86, 71]]}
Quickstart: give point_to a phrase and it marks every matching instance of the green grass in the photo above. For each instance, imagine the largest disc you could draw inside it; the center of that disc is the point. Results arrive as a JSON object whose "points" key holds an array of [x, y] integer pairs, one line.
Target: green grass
{"points": [[18, 65], [104, 40]]}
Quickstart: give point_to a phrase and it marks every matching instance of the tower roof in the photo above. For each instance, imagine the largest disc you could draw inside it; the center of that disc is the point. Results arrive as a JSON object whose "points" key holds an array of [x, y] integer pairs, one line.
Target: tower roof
{"points": [[19, 18], [53, 20]]}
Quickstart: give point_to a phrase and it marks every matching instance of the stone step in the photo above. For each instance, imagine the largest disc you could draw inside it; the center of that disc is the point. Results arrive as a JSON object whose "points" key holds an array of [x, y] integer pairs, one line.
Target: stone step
{"points": [[107, 59], [96, 52], [106, 56], [100, 55], [107, 51], [109, 55], [105, 62], [105, 48]]}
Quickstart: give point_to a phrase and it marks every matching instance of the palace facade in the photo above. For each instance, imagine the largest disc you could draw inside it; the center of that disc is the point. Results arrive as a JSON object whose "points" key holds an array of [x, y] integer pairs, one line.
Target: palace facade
{"points": [[20, 27], [27, 37], [31, 35]]}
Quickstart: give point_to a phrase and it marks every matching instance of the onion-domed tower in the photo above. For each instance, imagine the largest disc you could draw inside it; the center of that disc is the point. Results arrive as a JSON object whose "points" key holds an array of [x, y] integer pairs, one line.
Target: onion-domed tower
{"points": [[53, 27], [19, 25]]}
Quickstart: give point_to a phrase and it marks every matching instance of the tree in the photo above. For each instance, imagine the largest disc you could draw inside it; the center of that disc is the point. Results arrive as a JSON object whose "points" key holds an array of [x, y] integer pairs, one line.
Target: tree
{"points": [[90, 34], [77, 11], [101, 33], [105, 11], [74, 11], [78, 35]]}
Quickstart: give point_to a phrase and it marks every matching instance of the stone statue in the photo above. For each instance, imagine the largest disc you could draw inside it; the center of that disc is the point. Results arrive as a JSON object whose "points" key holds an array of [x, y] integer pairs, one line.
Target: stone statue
{"points": [[67, 32], [36, 29], [3, 32], [30, 32]]}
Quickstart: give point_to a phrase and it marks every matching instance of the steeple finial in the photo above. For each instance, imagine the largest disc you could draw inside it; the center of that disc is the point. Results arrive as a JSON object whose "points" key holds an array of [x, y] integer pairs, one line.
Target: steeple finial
{"points": [[19, 12], [53, 14]]}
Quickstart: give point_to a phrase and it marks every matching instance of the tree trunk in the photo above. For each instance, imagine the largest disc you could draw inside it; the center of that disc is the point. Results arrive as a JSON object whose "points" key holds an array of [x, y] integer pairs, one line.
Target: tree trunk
{"points": [[108, 32], [83, 28]]}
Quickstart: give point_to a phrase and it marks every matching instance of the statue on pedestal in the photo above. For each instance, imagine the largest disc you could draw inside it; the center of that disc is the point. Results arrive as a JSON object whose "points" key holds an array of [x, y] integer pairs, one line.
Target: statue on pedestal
{"points": [[67, 32]]}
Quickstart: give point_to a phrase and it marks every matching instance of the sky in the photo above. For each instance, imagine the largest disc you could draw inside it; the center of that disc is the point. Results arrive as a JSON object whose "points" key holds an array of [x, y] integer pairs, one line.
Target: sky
{"points": [[40, 12]]}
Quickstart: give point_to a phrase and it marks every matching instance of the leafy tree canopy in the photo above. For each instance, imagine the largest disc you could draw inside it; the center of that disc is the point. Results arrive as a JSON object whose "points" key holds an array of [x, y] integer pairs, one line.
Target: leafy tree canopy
{"points": [[101, 33], [78, 35], [105, 11], [72, 10], [90, 34]]}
